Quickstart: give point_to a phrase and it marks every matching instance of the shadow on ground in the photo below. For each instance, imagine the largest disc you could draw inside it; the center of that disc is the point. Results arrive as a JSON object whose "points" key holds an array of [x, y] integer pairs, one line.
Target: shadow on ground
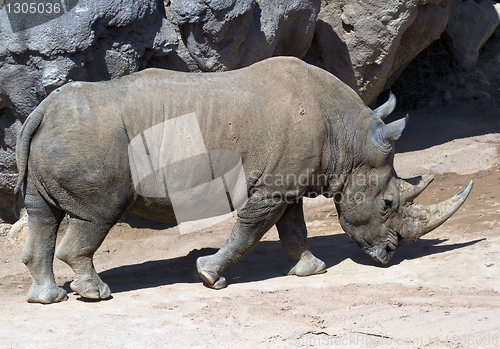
{"points": [[264, 262]]}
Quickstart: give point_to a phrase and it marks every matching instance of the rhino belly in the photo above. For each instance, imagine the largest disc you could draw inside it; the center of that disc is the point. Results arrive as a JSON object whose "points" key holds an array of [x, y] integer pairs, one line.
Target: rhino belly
{"points": [[196, 189], [157, 209]]}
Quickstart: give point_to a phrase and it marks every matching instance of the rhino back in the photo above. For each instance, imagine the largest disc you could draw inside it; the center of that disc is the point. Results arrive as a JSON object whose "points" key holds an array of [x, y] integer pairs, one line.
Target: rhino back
{"points": [[272, 114]]}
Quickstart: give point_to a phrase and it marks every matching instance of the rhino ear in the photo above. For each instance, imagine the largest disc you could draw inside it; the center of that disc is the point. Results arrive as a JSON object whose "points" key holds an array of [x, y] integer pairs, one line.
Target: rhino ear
{"points": [[384, 135]]}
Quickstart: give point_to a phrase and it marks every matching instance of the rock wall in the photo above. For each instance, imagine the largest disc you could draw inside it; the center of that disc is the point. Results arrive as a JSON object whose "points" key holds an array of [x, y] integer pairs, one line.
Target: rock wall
{"points": [[367, 43], [471, 26], [225, 35]]}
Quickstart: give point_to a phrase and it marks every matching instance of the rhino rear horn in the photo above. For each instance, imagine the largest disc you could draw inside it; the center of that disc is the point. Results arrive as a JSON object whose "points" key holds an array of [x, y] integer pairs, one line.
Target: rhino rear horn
{"points": [[419, 220], [386, 108], [410, 188]]}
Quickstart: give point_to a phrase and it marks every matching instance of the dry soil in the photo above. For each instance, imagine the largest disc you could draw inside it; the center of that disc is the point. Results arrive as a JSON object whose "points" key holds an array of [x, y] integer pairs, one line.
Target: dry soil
{"points": [[442, 291]]}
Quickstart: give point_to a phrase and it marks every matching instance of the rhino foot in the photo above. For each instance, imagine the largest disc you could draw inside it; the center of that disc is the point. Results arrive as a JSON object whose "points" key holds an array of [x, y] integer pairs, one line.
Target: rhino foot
{"points": [[212, 278], [46, 294], [305, 266], [92, 288]]}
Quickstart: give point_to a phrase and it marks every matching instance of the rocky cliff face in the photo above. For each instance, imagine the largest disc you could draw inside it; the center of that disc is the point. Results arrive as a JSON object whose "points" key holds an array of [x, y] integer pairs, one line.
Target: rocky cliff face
{"points": [[225, 35], [471, 26], [366, 43]]}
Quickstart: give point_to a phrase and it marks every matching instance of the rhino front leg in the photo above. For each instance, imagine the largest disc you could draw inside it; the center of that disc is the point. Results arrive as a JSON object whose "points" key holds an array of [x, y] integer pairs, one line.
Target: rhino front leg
{"points": [[38, 250], [293, 235], [254, 219], [77, 249]]}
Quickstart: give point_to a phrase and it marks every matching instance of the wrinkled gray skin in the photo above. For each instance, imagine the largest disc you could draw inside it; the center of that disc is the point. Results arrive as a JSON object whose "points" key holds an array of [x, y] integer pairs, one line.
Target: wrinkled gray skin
{"points": [[281, 115]]}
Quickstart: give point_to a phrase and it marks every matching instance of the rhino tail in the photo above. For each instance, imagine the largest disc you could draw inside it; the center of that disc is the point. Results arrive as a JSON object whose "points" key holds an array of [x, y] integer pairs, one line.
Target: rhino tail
{"points": [[23, 144]]}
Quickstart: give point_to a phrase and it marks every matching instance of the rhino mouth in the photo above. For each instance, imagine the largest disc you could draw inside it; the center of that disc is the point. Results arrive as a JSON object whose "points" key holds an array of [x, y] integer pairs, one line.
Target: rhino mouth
{"points": [[382, 253]]}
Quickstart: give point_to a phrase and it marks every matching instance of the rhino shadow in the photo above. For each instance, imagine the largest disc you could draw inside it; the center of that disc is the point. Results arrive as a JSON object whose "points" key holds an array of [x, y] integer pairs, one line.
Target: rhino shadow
{"points": [[410, 250], [264, 262]]}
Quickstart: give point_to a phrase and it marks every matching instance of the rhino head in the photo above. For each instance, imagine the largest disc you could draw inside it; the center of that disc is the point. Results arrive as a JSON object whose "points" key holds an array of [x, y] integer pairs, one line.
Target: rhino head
{"points": [[376, 207]]}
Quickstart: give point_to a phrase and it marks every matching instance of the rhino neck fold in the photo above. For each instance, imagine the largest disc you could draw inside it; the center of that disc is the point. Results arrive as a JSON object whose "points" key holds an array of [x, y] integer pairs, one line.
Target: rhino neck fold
{"points": [[339, 153]]}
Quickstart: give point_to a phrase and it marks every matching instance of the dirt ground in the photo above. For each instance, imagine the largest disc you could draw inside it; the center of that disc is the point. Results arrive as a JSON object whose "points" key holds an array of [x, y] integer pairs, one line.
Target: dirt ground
{"points": [[442, 291]]}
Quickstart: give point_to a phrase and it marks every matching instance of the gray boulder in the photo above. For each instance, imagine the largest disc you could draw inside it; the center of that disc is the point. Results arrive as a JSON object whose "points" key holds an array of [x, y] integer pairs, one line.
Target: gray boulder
{"points": [[230, 34], [94, 40], [368, 43], [468, 30]]}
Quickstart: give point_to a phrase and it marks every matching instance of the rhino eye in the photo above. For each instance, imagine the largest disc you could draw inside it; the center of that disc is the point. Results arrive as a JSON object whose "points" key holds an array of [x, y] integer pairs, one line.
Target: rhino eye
{"points": [[387, 204]]}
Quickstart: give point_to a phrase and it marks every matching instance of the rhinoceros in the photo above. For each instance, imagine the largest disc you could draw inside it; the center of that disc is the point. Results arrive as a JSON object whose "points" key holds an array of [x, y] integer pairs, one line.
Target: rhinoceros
{"points": [[284, 118]]}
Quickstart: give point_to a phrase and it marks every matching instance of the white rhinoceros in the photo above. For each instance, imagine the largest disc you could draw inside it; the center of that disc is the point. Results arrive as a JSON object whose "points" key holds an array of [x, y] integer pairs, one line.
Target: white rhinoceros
{"points": [[297, 129]]}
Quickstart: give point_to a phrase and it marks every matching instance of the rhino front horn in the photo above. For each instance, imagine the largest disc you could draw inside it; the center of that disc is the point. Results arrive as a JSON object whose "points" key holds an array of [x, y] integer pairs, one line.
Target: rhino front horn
{"points": [[419, 220]]}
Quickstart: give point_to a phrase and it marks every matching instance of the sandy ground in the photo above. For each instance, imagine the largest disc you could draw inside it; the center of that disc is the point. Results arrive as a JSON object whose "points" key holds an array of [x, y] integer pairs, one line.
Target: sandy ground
{"points": [[442, 291]]}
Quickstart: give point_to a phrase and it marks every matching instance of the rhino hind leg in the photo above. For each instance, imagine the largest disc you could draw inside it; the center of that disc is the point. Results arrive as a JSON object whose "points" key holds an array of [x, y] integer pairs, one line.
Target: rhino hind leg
{"points": [[293, 235], [38, 250], [77, 249], [255, 218]]}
